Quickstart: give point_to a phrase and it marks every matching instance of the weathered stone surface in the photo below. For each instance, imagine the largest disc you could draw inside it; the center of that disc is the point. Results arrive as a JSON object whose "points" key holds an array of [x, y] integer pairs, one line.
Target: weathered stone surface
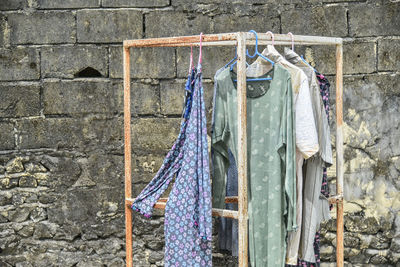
{"points": [[145, 167], [50, 4], [27, 181], [234, 23], [135, 3], [178, 24], [108, 26], [145, 63], [3, 31], [214, 58], [354, 55], [19, 99], [359, 224], [373, 19], [154, 134], [19, 214], [51, 27], [320, 20], [77, 97], [389, 54], [71, 61], [19, 64], [145, 98], [15, 165], [7, 136], [13, 4], [70, 133]]}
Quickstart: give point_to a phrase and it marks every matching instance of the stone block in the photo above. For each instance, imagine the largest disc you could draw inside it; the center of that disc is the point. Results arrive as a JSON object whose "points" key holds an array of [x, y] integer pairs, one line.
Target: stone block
{"points": [[233, 23], [179, 23], [80, 134], [154, 133], [15, 165], [19, 99], [374, 19], [145, 62], [79, 97], [145, 98], [135, 3], [51, 4], [21, 63], [74, 61], [172, 96], [319, 20], [12, 4], [358, 57], [108, 26], [19, 214], [7, 140], [27, 181], [145, 167], [389, 54], [214, 58], [357, 224], [52, 27]]}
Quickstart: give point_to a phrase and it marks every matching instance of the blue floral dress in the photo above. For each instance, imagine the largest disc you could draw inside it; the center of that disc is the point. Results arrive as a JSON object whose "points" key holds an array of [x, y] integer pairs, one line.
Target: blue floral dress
{"points": [[188, 221]]}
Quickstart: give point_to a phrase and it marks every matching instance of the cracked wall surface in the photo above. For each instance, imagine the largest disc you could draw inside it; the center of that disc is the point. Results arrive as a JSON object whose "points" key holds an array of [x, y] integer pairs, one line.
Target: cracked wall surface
{"points": [[61, 120]]}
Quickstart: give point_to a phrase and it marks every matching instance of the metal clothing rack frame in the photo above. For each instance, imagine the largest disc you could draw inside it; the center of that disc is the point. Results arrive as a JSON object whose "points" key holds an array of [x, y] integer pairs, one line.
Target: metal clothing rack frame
{"points": [[239, 39]]}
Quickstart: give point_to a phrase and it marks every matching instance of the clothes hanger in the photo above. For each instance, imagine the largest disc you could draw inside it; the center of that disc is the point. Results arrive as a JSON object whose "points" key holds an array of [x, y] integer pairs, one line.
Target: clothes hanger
{"points": [[256, 53], [292, 37]]}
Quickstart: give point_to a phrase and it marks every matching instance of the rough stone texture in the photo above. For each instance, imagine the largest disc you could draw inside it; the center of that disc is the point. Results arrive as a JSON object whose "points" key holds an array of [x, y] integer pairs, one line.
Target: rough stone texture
{"points": [[19, 64], [354, 56], [135, 3], [19, 99], [71, 61], [151, 62], [61, 139], [374, 19], [325, 21], [7, 136], [389, 54], [100, 26], [50, 4], [42, 27], [13, 4], [77, 97]]}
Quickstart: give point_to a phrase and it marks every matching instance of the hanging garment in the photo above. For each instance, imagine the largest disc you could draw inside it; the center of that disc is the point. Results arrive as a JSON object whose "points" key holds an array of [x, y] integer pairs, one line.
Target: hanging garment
{"points": [[324, 86], [271, 159], [306, 133], [227, 228], [312, 205], [188, 222]]}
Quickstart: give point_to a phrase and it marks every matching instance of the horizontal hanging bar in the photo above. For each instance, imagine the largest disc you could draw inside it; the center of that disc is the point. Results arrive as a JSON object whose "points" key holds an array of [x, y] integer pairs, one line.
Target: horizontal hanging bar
{"points": [[229, 39], [160, 204]]}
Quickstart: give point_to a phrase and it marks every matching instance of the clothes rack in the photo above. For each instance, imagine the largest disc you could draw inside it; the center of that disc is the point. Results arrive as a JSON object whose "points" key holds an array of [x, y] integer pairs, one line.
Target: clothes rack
{"points": [[239, 39]]}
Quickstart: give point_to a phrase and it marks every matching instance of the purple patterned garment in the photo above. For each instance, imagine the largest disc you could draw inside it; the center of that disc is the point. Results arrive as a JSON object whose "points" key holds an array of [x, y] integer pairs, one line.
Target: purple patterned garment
{"points": [[324, 87], [188, 221]]}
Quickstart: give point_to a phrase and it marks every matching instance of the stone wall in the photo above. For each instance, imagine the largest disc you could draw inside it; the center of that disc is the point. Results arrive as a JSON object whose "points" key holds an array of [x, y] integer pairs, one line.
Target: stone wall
{"points": [[61, 121]]}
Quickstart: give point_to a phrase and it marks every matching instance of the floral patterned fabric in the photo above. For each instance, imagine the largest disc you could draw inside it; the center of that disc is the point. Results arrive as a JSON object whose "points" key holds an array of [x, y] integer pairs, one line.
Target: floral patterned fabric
{"points": [[324, 86], [188, 221]]}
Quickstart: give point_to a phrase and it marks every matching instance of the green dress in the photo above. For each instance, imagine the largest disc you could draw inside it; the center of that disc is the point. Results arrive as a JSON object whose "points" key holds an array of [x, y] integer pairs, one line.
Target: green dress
{"points": [[271, 159]]}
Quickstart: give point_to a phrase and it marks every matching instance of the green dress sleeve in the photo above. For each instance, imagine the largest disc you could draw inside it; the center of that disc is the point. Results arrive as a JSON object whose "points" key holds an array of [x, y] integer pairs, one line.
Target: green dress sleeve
{"points": [[287, 151], [219, 148]]}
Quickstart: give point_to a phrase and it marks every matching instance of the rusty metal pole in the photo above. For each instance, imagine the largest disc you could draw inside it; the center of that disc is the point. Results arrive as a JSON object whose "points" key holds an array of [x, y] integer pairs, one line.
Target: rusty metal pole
{"points": [[242, 150], [127, 136], [339, 155]]}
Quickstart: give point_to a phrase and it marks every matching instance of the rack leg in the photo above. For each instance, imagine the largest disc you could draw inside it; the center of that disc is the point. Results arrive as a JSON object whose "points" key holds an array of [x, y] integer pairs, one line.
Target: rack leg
{"points": [[127, 140], [242, 151], [339, 155]]}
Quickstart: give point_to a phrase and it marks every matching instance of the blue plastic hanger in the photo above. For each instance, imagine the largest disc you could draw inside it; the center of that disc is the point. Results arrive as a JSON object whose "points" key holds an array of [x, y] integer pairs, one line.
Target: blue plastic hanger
{"points": [[308, 63], [256, 53]]}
